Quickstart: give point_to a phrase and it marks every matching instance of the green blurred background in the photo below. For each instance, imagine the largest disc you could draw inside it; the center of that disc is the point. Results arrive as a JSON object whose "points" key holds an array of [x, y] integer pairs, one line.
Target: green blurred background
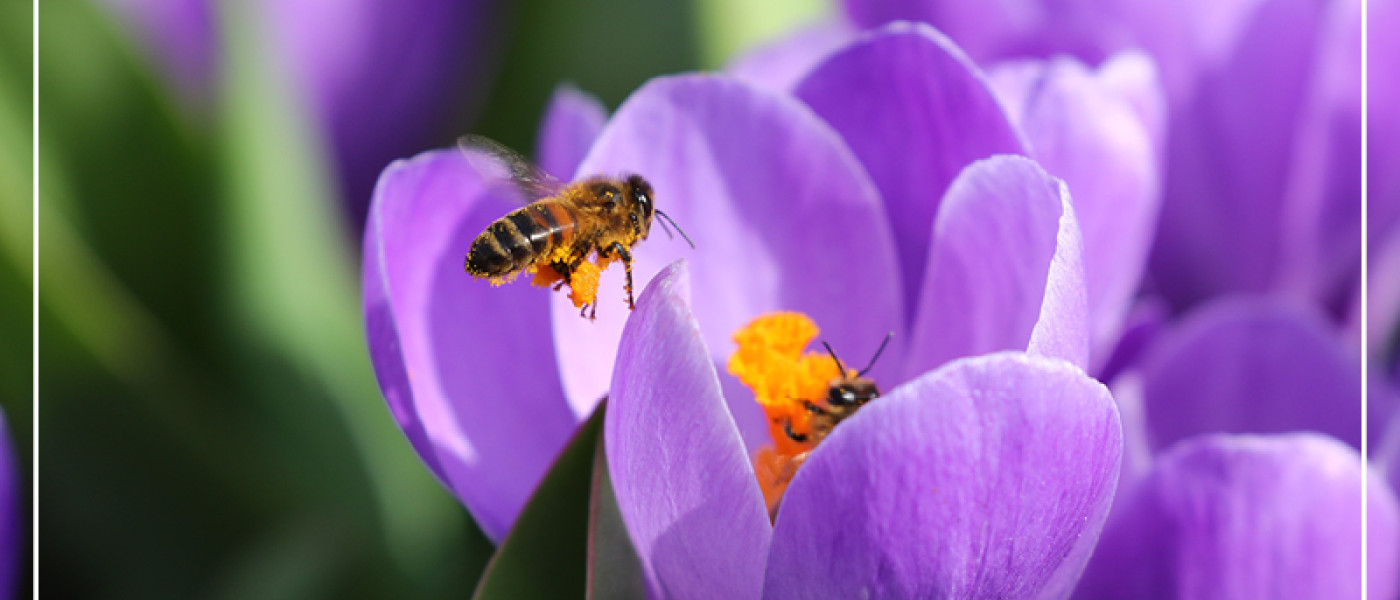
{"points": [[211, 427]]}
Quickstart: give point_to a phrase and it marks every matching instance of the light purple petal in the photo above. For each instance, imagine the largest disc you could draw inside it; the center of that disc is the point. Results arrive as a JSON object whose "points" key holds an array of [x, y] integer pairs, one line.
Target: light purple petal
{"points": [[782, 215], [991, 31], [684, 485], [571, 123], [1091, 137], [1005, 271], [916, 111], [1383, 120], [468, 369], [1229, 153], [1135, 78], [988, 478], [381, 78], [1320, 259], [1225, 516], [781, 64], [1251, 365]]}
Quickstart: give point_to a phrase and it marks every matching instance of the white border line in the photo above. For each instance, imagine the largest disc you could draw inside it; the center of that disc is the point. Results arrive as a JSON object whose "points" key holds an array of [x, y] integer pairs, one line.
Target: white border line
{"points": [[34, 472], [1365, 345]]}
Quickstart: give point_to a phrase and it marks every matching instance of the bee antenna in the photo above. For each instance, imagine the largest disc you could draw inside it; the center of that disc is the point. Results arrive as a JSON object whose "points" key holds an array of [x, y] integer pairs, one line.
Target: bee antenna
{"points": [[678, 228], [877, 354], [833, 357]]}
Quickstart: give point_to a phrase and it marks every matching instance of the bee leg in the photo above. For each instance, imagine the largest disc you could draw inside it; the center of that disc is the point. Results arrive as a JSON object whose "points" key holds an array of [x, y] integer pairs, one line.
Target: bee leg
{"points": [[796, 437], [627, 264], [812, 408]]}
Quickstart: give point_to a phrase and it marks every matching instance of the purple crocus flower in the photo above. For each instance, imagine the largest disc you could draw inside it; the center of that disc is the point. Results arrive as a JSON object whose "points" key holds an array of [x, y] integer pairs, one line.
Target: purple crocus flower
{"points": [[793, 222], [377, 77], [988, 477]]}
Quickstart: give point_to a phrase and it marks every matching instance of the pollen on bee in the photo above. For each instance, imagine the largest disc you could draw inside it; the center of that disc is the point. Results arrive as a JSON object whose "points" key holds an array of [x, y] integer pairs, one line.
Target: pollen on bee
{"points": [[771, 362], [583, 286]]}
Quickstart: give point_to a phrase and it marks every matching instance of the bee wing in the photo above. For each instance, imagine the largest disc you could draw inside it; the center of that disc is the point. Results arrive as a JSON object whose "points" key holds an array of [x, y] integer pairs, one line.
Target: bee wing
{"points": [[495, 159]]}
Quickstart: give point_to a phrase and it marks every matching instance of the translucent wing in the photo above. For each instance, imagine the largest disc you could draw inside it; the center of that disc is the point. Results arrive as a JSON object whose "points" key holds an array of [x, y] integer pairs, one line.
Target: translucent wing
{"points": [[495, 159]]}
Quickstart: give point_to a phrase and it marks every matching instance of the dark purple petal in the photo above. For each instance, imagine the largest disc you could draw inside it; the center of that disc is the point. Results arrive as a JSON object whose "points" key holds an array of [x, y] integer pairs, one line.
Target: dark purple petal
{"points": [[1229, 153], [916, 111], [1251, 365], [782, 215], [468, 369], [571, 123], [988, 478], [781, 64], [684, 485], [380, 78], [1089, 135], [1228, 516], [1148, 318], [1005, 270]]}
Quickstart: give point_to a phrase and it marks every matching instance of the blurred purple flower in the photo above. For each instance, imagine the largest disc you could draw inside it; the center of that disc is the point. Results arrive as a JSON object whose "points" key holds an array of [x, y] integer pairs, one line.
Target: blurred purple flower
{"points": [[1264, 113], [380, 78]]}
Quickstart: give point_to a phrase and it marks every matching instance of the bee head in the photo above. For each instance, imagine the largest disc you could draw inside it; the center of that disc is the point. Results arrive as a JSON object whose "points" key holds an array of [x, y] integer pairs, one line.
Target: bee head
{"points": [[640, 195], [851, 392]]}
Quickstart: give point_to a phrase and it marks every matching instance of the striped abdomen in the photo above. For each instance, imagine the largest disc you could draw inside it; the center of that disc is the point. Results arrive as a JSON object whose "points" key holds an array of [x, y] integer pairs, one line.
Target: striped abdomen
{"points": [[516, 240]]}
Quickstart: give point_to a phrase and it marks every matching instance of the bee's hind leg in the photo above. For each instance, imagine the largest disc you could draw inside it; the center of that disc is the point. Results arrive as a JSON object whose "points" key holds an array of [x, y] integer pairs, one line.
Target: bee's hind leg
{"points": [[627, 264]]}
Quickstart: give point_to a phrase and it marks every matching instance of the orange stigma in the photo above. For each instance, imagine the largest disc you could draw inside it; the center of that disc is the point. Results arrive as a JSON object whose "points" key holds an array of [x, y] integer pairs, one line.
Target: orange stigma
{"points": [[784, 380]]}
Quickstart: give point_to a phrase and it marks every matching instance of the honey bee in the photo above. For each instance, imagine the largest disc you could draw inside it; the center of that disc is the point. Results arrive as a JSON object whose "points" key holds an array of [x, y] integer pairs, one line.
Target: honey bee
{"points": [[563, 224], [844, 395]]}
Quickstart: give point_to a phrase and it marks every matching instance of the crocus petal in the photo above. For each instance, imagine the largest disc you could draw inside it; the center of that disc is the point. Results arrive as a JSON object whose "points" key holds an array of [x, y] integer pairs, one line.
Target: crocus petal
{"points": [[782, 215], [916, 111], [1092, 138], [1383, 304], [468, 369], [571, 123], [1251, 365], [988, 478], [1226, 516], [684, 486], [781, 64], [1230, 147], [1383, 121], [1005, 271]]}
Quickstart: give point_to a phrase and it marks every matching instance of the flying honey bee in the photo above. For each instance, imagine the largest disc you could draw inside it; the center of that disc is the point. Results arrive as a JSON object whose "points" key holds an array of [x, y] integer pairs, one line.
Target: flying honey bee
{"points": [[563, 224]]}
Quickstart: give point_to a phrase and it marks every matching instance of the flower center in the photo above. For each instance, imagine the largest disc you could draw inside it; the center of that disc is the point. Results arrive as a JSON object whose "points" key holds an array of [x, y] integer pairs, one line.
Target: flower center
{"points": [[804, 395]]}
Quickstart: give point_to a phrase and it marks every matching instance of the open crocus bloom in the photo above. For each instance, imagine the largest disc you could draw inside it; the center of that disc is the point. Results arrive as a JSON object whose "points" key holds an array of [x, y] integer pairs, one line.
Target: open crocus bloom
{"points": [[988, 477], [488, 382]]}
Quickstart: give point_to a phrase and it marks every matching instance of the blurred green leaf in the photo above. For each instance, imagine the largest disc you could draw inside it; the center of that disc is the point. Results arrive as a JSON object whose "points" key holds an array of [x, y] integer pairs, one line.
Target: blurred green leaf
{"points": [[295, 286], [607, 48], [729, 26], [545, 555], [614, 570]]}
